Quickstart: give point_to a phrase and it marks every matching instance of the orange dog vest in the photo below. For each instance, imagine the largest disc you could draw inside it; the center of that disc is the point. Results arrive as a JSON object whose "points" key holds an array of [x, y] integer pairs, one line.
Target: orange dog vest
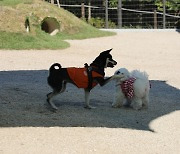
{"points": [[80, 77]]}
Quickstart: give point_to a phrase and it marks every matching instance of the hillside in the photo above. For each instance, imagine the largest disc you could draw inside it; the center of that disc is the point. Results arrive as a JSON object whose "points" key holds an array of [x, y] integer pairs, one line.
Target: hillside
{"points": [[30, 18]]}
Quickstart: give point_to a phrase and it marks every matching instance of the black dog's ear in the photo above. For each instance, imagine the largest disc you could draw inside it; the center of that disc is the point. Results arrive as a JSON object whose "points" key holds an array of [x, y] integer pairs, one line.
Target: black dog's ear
{"points": [[106, 52]]}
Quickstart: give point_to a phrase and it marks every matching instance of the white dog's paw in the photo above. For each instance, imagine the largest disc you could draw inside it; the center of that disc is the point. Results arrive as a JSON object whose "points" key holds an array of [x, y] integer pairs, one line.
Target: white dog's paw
{"points": [[136, 106], [117, 104], [145, 106], [127, 104]]}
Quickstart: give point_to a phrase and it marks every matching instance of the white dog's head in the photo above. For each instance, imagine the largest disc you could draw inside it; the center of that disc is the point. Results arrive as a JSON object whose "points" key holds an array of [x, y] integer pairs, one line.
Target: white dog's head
{"points": [[122, 74]]}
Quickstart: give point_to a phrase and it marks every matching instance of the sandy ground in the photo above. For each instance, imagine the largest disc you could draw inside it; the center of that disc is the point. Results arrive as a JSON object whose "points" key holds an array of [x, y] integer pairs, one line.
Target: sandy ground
{"points": [[28, 126]]}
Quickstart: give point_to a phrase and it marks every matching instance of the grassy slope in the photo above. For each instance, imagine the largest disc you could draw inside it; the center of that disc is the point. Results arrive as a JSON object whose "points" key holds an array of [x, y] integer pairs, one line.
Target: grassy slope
{"points": [[14, 36]]}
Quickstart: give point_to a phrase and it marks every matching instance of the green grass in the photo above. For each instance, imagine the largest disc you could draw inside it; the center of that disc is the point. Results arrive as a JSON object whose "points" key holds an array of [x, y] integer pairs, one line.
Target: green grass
{"points": [[14, 2], [19, 41], [42, 40], [85, 33]]}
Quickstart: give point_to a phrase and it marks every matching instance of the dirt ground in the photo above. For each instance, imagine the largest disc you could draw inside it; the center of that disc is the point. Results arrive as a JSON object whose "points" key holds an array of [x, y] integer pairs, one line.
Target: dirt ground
{"points": [[27, 125]]}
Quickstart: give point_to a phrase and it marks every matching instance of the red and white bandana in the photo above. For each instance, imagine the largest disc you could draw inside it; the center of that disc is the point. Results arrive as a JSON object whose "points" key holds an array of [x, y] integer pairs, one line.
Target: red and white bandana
{"points": [[127, 87]]}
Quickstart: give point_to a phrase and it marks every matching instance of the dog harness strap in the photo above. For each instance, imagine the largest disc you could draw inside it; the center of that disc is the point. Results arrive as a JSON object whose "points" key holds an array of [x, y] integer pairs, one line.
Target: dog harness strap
{"points": [[127, 87], [93, 72], [100, 72], [90, 78]]}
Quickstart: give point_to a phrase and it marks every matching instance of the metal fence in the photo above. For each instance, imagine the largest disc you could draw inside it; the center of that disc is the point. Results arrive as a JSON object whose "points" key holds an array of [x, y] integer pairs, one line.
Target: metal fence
{"points": [[124, 14]]}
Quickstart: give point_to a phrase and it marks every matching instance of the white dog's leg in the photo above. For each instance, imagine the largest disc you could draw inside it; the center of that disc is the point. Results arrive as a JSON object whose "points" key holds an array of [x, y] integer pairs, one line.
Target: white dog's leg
{"points": [[87, 99], [145, 101], [136, 103], [118, 99], [127, 103]]}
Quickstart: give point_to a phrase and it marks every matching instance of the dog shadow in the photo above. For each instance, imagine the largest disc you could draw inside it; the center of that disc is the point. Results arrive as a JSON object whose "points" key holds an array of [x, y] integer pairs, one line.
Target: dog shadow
{"points": [[23, 104]]}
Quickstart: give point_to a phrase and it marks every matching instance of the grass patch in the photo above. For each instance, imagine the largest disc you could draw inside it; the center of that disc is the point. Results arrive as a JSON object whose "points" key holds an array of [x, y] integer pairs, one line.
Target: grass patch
{"points": [[14, 2], [17, 41], [42, 40], [85, 33]]}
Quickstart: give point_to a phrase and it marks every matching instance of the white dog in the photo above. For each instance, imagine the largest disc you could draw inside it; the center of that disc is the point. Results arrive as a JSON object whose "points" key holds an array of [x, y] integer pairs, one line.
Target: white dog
{"points": [[132, 88]]}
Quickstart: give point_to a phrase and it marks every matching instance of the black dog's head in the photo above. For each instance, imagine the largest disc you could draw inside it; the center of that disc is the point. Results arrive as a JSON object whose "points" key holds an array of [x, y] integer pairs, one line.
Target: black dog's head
{"points": [[105, 60]]}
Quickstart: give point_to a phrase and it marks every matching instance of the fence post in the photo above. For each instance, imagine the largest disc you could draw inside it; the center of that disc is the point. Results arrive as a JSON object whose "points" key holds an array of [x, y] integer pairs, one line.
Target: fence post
{"points": [[58, 3], [120, 14], [82, 11], [155, 19], [89, 10], [106, 14], [164, 14], [52, 1]]}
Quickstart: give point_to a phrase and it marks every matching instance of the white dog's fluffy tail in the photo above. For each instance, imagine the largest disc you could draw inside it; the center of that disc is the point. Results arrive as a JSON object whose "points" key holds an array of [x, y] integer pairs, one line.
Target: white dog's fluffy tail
{"points": [[140, 75]]}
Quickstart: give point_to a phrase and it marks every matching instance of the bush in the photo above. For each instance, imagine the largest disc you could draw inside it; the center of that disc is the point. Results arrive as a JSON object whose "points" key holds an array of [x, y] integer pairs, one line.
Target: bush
{"points": [[100, 23]]}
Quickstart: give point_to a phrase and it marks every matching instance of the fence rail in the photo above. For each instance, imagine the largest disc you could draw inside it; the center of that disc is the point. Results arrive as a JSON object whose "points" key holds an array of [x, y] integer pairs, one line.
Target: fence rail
{"points": [[130, 15]]}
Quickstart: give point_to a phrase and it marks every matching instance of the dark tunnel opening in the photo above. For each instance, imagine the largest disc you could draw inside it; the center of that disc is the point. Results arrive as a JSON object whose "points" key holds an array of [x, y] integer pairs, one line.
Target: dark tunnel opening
{"points": [[50, 25]]}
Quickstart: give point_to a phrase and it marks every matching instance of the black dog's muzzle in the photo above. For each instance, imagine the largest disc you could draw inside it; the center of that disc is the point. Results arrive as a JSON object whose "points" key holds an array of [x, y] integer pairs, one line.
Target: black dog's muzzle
{"points": [[111, 63]]}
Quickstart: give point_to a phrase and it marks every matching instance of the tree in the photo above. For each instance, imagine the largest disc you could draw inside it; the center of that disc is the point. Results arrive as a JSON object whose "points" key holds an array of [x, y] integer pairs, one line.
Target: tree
{"points": [[170, 5]]}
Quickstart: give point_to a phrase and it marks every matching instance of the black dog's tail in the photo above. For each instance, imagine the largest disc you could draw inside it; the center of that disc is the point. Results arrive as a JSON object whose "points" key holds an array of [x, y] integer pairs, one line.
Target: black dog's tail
{"points": [[55, 66]]}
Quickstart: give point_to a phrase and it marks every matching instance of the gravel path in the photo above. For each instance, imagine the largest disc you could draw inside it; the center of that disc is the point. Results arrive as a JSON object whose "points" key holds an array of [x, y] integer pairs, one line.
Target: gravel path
{"points": [[28, 126]]}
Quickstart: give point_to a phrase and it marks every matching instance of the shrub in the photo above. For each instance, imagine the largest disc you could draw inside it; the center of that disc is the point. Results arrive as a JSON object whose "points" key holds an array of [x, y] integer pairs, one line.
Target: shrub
{"points": [[100, 23]]}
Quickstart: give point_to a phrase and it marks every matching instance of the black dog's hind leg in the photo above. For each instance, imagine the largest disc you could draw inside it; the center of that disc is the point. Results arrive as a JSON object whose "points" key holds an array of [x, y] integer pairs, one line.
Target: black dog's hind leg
{"points": [[50, 96], [55, 92]]}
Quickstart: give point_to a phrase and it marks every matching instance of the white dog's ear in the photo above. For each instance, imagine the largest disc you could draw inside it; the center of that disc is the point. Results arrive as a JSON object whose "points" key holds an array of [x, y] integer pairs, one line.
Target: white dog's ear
{"points": [[117, 72]]}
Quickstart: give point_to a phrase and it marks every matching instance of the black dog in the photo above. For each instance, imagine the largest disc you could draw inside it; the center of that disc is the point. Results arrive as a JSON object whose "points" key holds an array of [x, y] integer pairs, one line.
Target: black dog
{"points": [[87, 77]]}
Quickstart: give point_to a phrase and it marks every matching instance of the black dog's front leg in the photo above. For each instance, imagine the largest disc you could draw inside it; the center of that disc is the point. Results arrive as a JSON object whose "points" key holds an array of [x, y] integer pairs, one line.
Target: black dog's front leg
{"points": [[103, 81], [87, 99], [87, 93]]}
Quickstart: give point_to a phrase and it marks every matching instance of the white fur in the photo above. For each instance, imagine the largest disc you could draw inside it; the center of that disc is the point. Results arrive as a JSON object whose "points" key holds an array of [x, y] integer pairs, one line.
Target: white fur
{"points": [[141, 89]]}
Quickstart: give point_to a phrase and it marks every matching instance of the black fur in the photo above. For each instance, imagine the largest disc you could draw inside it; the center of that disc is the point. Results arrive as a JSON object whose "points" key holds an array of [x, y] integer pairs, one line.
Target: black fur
{"points": [[58, 76]]}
